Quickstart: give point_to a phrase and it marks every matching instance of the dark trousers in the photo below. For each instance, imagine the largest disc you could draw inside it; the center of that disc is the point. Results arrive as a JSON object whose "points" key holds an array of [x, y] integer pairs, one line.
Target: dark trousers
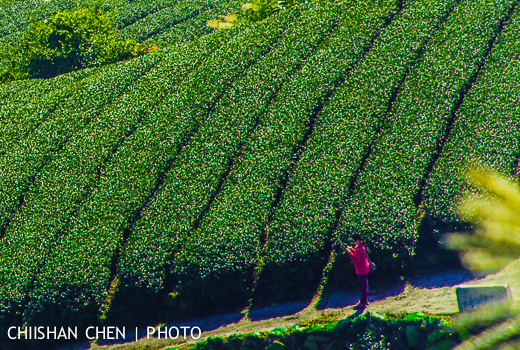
{"points": [[363, 288]]}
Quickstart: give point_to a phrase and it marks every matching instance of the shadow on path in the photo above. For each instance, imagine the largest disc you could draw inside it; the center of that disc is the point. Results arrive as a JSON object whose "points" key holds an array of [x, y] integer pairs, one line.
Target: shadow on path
{"points": [[442, 279], [205, 325], [277, 311], [338, 300], [342, 300]]}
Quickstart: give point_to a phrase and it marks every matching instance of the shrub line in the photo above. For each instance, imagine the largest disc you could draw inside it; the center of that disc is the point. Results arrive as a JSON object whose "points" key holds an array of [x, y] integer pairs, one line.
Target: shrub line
{"points": [[238, 152], [50, 111], [47, 159], [442, 140], [329, 249], [300, 148], [143, 16], [88, 189], [173, 24], [127, 231]]}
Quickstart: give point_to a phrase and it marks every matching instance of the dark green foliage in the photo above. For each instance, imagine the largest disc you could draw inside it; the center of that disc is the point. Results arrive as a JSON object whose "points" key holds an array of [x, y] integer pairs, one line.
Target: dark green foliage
{"points": [[35, 237], [239, 213], [227, 126], [260, 10], [367, 331], [68, 41], [320, 186], [192, 171], [100, 204], [166, 18]]}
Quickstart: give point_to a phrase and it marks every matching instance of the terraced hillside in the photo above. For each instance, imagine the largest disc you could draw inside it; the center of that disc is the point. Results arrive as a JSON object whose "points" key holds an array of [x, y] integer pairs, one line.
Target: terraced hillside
{"points": [[229, 169]]}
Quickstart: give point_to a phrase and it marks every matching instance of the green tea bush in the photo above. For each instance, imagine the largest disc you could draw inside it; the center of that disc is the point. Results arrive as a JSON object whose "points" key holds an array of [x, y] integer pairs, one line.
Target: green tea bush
{"points": [[236, 218], [115, 187], [40, 150], [385, 204], [366, 331], [258, 10], [166, 18], [485, 133], [345, 128], [68, 41], [227, 125]]}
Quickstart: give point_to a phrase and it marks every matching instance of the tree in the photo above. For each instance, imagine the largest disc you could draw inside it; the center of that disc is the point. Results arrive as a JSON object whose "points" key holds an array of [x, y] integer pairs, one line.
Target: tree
{"points": [[68, 41]]}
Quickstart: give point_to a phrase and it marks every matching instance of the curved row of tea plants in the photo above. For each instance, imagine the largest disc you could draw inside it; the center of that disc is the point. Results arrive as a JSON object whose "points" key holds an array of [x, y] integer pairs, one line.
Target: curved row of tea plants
{"points": [[98, 228], [27, 212], [58, 182], [212, 168], [486, 131], [159, 21], [225, 249], [316, 193], [34, 137], [204, 163], [387, 193], [134, 11]]}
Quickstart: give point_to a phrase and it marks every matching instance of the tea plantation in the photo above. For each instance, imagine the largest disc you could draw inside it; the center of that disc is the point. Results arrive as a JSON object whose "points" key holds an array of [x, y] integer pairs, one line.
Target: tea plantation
{"points": [[230, 165]]}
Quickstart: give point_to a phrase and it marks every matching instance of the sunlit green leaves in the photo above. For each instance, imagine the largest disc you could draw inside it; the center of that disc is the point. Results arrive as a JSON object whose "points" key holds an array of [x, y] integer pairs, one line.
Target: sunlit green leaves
{"points": [[386, 202], [320, 185], [494, 243]]}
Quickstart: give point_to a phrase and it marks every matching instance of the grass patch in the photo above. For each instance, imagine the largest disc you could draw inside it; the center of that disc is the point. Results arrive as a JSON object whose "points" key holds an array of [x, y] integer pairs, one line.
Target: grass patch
{"points": [[324, 318]]}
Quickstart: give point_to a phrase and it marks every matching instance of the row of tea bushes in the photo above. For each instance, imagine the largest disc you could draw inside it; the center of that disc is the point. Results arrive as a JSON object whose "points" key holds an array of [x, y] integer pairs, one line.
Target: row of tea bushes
{"points": [[138, 10], [27, 169], [35, 131], [25, 104], [188, 189], [195, 27], [384, 205], [367, 331], [240, 113], [225, 249], [99, 229], [346, 127], [168, 17], [486, 132]]}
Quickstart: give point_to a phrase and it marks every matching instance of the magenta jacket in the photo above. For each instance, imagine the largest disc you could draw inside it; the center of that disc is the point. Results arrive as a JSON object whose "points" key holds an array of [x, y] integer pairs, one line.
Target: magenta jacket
{"points": [[359, 258]]}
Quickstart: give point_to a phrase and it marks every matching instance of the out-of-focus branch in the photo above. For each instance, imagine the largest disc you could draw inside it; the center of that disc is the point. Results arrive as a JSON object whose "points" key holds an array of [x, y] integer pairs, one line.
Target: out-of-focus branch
{"points": [[494, 210]]}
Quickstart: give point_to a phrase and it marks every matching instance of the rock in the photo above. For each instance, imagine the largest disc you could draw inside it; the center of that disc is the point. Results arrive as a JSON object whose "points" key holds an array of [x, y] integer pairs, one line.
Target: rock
{"points": [[276, 346], [472, 297], [413, 336]]}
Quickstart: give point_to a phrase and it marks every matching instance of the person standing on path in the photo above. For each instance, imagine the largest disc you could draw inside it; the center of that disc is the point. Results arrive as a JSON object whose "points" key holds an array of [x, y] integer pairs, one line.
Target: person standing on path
{"points": [[358, 255]]}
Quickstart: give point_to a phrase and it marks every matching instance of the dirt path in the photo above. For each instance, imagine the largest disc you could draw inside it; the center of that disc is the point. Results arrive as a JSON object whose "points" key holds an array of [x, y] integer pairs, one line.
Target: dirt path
{"points": [[433, 294]]}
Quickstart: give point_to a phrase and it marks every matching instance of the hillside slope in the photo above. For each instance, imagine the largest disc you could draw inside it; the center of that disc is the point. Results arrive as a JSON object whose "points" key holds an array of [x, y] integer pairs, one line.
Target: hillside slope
{"points": [[229, 168]]}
